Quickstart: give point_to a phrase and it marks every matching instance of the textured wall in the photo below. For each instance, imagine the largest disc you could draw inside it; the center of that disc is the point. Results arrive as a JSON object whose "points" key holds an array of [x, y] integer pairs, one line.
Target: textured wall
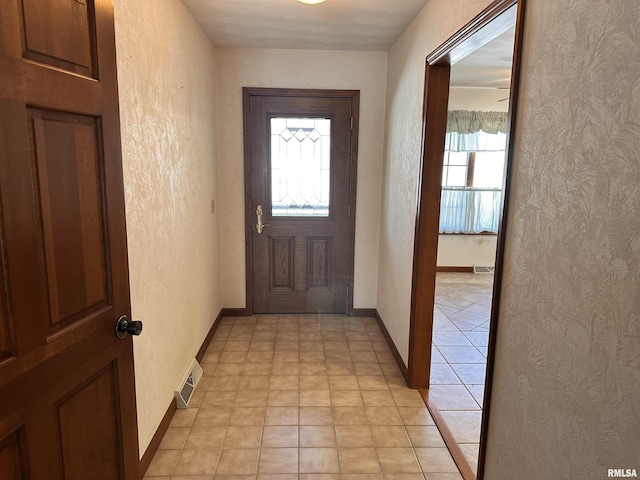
{"points": [[364, 71], [437, 21], [166, 78], [567, 382]]}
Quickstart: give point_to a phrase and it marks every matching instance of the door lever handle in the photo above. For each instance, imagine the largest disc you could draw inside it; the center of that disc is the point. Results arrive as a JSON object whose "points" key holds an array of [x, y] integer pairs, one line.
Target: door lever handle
{"points": [[259, 225]]}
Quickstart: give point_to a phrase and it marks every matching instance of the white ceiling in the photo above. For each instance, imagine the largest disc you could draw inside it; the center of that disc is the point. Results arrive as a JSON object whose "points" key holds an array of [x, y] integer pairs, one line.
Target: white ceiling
{"points": [[371, 25], [487, 67], [334, 25]]}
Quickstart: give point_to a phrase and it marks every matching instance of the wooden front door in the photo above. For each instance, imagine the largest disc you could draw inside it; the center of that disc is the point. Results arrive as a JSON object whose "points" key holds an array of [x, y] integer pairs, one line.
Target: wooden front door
{"points": [[67, 399], [300, 150]]}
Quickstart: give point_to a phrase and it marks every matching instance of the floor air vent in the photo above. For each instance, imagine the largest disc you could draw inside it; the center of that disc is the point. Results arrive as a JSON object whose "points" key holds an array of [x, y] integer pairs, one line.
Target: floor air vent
{"points": [[188, 384], [483, 269]]}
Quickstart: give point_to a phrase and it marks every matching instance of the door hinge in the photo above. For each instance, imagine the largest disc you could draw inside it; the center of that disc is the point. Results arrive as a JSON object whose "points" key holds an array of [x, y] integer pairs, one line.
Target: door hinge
{"points": [[349, 211], [350, 118]]}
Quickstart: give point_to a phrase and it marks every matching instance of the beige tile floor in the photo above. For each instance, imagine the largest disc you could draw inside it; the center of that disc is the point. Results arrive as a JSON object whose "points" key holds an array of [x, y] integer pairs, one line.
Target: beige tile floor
{"points": [[302, 397], [460, 338]]}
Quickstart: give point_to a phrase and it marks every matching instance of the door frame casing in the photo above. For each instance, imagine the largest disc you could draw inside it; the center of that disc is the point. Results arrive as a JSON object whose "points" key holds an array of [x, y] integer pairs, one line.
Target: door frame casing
{"points": [[247, 93], [436, 92]]}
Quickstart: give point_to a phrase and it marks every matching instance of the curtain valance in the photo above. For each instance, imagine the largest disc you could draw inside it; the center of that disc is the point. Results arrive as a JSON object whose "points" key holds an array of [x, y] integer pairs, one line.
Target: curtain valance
{"points": [[465, 122]]}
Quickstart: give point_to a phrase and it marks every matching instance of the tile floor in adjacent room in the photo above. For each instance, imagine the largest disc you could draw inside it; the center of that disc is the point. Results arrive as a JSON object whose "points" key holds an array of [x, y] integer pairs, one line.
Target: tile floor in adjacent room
{"points": [[458, 364], [302, 397]]}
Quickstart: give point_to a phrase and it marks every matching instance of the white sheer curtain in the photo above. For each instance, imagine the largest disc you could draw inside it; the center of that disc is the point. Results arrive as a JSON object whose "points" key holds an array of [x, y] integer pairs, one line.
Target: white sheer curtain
{"points": [[475, 142], [470, 210]]}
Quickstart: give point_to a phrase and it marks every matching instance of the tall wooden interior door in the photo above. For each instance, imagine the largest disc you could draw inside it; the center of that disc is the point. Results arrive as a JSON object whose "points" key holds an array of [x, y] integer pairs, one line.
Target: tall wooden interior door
{"points": [[300, 150], [67, 399]]}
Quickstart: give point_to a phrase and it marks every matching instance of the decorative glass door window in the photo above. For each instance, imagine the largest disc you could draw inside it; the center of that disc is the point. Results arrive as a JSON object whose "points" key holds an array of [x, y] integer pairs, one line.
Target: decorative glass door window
{"points": [[300, 167]]}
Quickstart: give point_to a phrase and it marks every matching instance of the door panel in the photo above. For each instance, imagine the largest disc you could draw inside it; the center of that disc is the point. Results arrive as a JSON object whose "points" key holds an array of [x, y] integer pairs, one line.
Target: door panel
{"points": [[299, 147], [65, 151], [85, 427], [319, 254], [67, 397], [5, 332], [11, 459], [60, 34], [282, 264]]}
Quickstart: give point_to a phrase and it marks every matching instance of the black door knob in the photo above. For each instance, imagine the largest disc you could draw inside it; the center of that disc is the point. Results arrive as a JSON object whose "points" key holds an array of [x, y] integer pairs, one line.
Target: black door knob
{"points": [[124, 326]]}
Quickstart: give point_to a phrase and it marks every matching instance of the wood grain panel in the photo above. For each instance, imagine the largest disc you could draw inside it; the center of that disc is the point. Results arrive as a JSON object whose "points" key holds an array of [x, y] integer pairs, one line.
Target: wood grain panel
{"points": [[89, 437], [282, 263], [22, 243], [6, 335], [318, 262], [68, 389], [60, 34], [436, 95], [43, 444], [10, 459], [65, 149]]}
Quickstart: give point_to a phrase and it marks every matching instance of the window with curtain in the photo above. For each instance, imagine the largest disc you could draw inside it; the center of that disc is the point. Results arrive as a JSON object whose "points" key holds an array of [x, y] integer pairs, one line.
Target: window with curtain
{"points": [[473, 172]]}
